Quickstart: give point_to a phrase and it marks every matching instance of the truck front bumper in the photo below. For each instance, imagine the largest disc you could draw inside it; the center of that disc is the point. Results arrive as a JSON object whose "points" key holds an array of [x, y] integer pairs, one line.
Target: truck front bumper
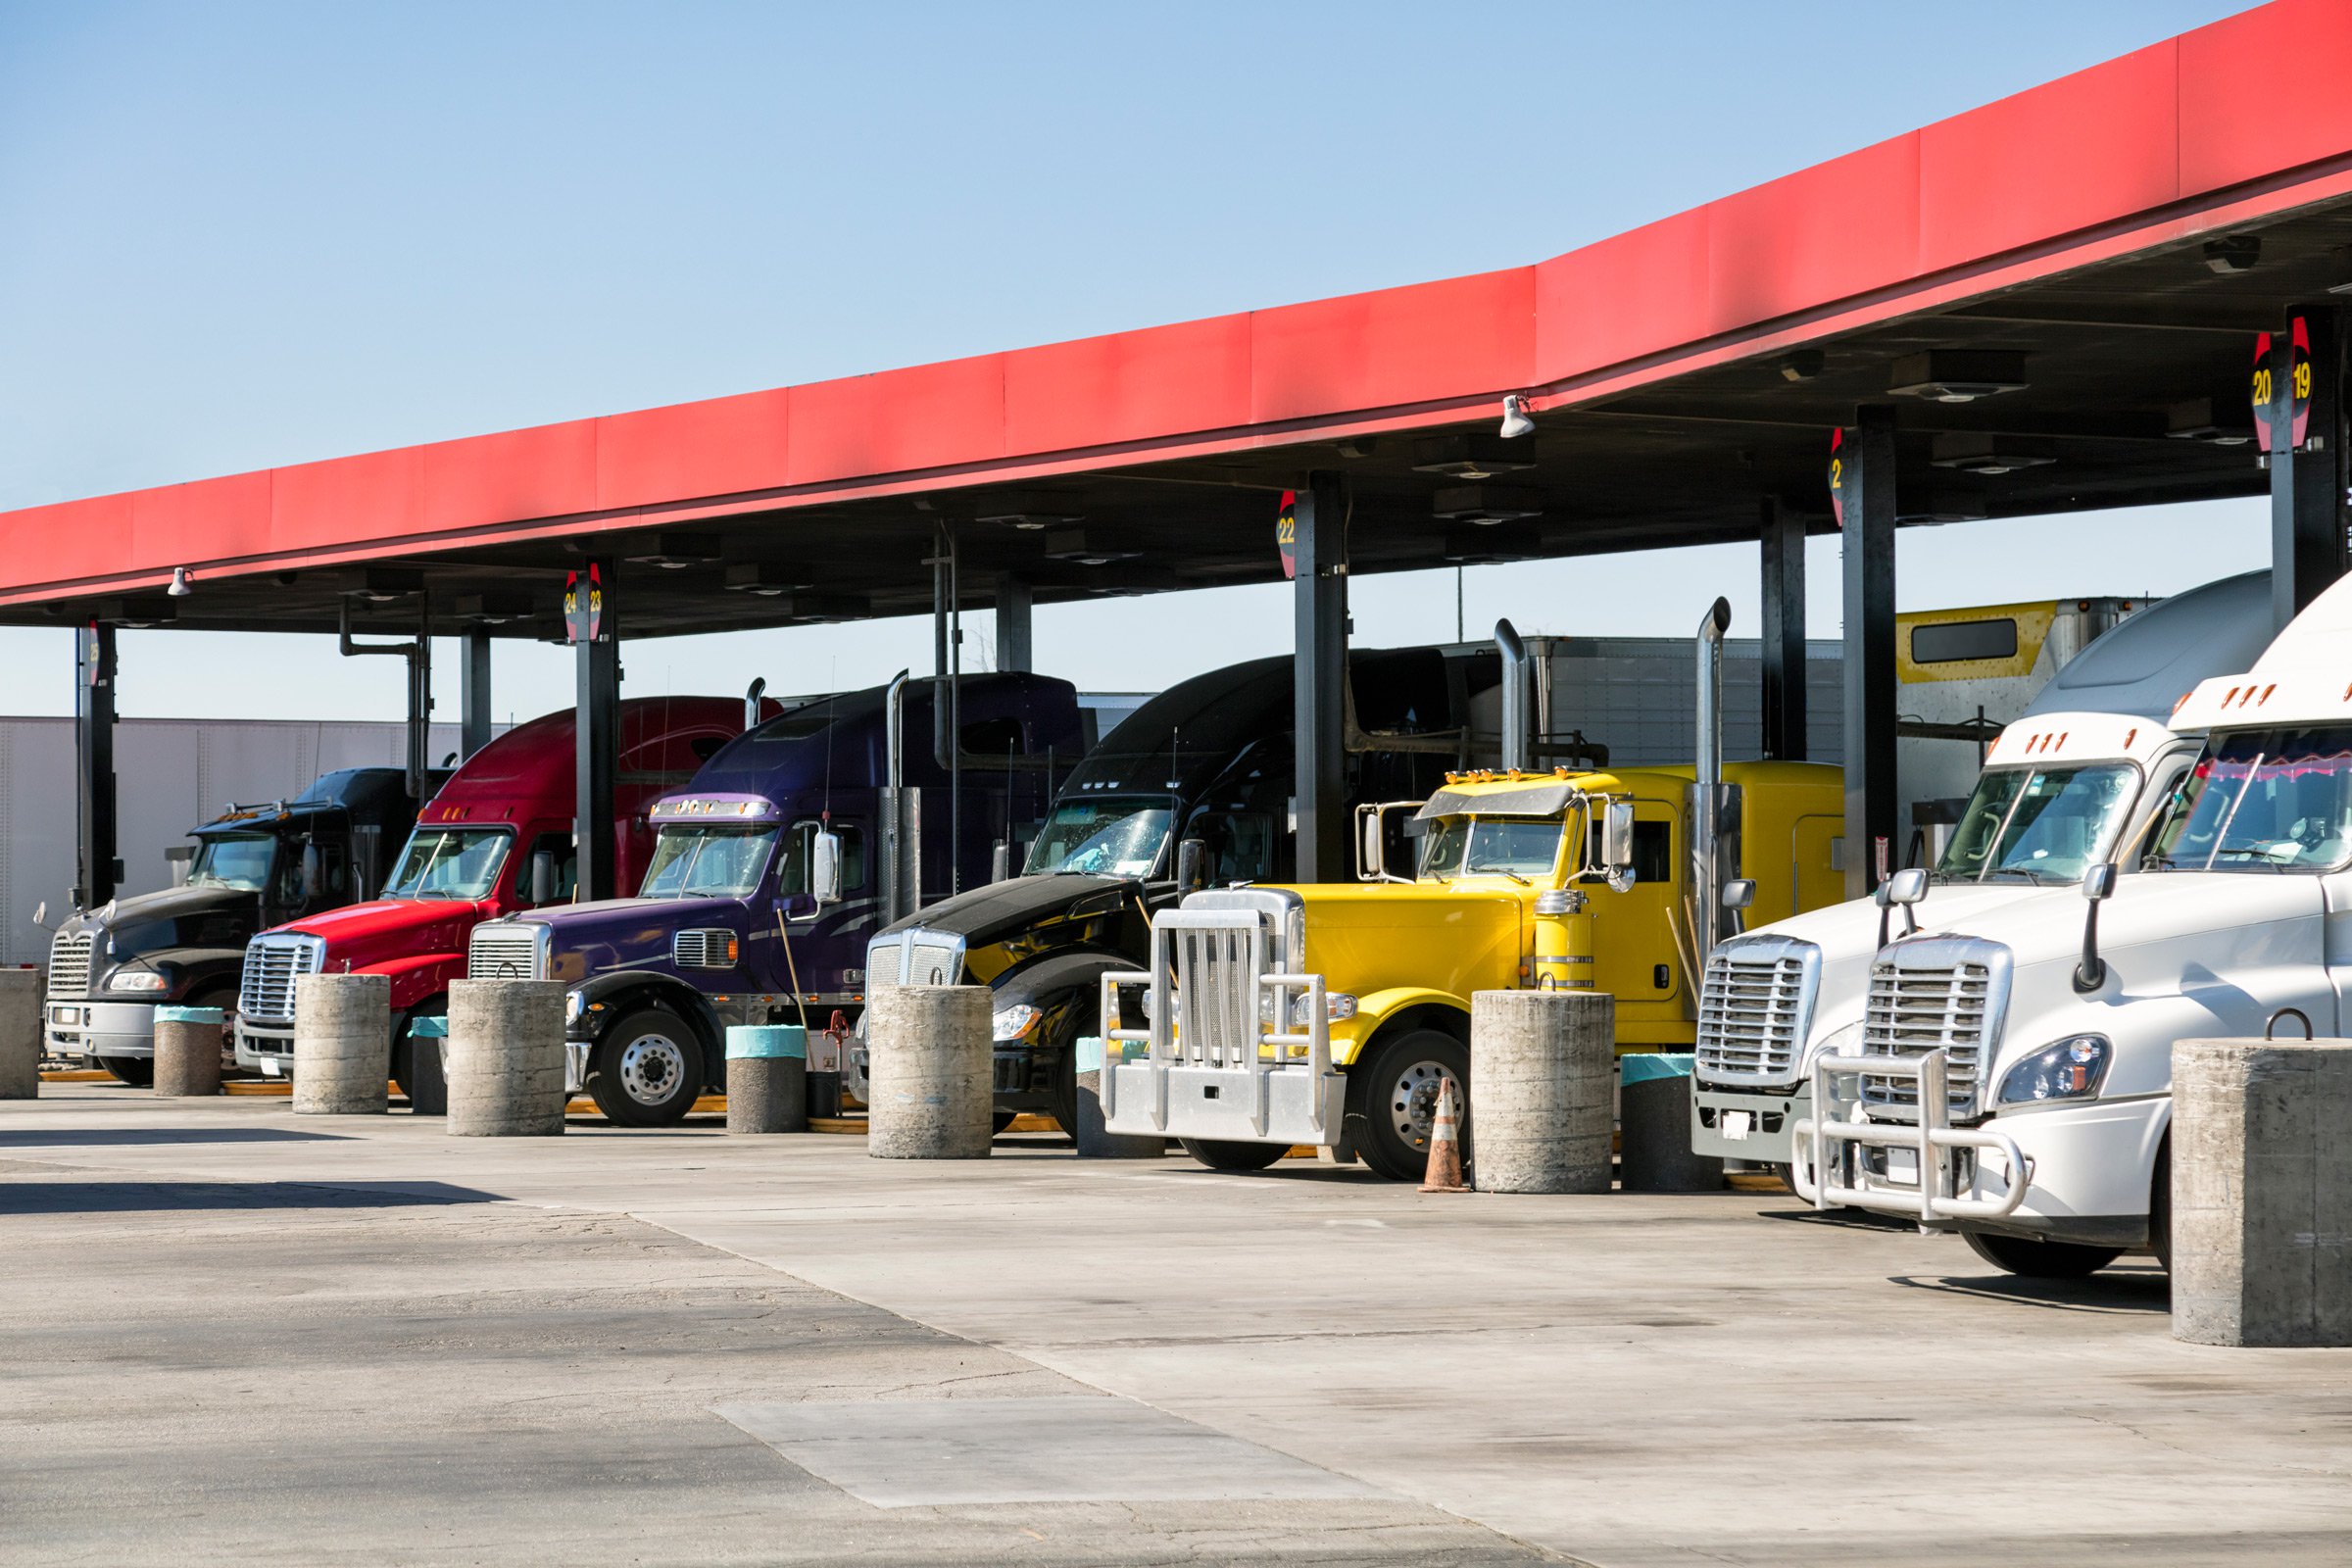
{"points": [[1750, 1124], [2093, 1167], [92, 1029], [266, 1049]]}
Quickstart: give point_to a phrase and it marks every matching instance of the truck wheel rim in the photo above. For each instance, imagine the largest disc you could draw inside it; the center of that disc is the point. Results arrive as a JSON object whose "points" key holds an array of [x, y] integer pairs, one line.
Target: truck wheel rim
{"points": [[1413, 1100], [651, 1066]]}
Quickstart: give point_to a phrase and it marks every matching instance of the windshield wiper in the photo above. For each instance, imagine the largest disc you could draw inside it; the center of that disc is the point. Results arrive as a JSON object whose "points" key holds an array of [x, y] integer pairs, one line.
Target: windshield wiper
{"points": [[1482, 870]]}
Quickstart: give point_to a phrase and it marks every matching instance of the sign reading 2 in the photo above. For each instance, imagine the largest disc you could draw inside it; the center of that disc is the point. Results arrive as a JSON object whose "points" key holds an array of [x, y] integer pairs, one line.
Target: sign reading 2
{"points": [[1838, 477]]}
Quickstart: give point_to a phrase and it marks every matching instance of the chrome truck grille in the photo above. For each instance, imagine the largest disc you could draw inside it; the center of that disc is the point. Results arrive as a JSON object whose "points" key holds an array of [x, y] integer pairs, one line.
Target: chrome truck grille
{"points": [[1754, 1008], [703, 950], [508, 950], [69, 964], [1940, 993], [917, 957], [273, 963]]}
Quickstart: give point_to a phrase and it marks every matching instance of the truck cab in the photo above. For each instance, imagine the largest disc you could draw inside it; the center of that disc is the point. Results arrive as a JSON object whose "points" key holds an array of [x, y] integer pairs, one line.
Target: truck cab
{"points": [[1192, 789], [2012, 1076], [2076, 781], [254, 866], [472, 857], [733, 924]]}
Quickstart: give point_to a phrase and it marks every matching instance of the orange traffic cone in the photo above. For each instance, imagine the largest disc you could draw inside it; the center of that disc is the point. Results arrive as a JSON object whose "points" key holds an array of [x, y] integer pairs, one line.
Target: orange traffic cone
{"points": [[1444, 1173]]}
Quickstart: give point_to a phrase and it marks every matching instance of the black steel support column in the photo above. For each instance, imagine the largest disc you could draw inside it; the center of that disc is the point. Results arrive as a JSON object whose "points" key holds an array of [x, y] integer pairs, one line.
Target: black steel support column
{"points": [[598, 730], [1783, 538], [473, 691], [2308, 513], [1321, 680], [96, 872], [1868, 528], [1012, 626]]}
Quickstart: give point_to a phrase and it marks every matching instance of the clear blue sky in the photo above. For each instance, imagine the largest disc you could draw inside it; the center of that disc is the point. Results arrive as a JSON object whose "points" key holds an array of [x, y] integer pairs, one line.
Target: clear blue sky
{"points": [[233, 235]]}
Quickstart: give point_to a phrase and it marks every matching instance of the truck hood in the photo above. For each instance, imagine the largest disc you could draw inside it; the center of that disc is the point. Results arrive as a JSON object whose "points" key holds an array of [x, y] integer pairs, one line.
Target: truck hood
{"points": [[1003, 908], [171, 904], [366, 933], [2149, 907], [587, 939], [1461, 937]]}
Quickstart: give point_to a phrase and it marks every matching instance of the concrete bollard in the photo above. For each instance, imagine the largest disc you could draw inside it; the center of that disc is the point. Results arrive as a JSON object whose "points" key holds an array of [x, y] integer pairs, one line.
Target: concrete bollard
{"points": [[1092, 1141], [932, 1074], [20, 1034], [1654, 1115], [187, 1052], [1543, 1090], [428, 1071], [504, 1058], [2262, 1192], [768, 1078], [342, 1043]]}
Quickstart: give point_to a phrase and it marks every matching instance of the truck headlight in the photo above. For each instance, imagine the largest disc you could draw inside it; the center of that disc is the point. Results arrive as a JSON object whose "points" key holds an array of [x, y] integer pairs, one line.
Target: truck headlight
{"points": [[139, 980], [1016, 1022], [573, 1003], [1338, 1005], [2072, 1070]]}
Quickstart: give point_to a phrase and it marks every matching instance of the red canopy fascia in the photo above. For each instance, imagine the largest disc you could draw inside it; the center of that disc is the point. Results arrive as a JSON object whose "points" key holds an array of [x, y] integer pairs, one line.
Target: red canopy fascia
{"points": [[2197, 132]]}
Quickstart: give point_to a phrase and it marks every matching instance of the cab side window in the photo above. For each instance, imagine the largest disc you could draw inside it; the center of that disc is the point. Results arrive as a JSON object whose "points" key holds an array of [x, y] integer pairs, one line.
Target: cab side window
{"points": [[568, 867]]}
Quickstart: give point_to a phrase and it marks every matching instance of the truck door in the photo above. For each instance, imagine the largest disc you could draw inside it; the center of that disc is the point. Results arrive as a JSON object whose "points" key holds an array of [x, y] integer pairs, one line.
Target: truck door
{"points": [[1639, 957]]}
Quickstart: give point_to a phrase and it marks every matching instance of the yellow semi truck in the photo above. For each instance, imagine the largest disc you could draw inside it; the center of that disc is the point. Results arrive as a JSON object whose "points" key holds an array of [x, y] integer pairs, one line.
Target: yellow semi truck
{"points": [[1331, 1014]]}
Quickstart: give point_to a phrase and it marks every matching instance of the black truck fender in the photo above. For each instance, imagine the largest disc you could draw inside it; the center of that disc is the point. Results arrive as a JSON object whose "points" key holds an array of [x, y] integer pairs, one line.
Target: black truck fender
{"points": [[1062, 986], [606, 997]]}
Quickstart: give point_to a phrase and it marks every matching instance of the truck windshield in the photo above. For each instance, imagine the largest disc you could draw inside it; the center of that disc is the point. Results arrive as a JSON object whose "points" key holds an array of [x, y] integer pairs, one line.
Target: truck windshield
{"points": [[1522, 847], [706, 862], [1104, 838], [233, 860], [2270, 800], [2045, 824], [448, 862]]}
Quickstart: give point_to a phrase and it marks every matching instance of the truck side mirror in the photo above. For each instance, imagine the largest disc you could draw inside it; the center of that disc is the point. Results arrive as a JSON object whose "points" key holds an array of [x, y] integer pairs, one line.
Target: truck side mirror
{"points": [[1740, 893], [2098, 886], [1000, 860], [40, 914], [1192, 861], [314, 871], [1371, 847], [1617, 836], [543, 877], [824, 865], [1907, 886]]}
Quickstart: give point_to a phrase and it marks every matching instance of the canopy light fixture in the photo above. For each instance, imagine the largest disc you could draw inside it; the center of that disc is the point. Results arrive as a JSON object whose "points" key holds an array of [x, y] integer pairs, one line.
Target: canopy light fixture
{"points": [[1957, 375], [137, 615], [1942, 509], [1983, 453], [384, 585], [1486, 504], [180, 588], [2233, 253], [763, 578], [2194, 420], [826, 607], [1471, 455], [674, 551], [1071, 544], [1515, 422], [1491, 545], [1801, 365], [494, 610], [1029, 521]]}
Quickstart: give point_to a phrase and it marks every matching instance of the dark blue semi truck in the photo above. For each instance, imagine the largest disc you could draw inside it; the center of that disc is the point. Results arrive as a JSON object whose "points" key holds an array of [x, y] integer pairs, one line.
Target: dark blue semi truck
{"points": [[774, 867]]}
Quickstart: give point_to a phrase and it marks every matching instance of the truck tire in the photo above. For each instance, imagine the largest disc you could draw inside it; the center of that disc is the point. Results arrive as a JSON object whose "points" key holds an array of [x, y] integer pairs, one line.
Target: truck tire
{"points": [[137, 1071], [2041, 1260], [647, 1068], [1392, 1092], [1223, 1153]]}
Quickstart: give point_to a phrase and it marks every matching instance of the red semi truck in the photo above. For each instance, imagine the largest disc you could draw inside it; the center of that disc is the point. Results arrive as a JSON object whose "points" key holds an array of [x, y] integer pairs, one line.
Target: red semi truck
{"points": [[472, 857]]}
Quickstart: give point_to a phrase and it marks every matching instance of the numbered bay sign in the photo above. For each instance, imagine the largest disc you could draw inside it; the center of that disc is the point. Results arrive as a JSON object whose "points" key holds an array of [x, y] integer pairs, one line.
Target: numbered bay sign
{"points": [[2299, 368], [1286, 534], [1838, 477], [584, 605], [2258, 390]]}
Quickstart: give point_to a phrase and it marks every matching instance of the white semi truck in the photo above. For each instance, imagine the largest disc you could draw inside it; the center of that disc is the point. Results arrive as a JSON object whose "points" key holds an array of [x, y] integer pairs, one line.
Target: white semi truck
{"points": [[2012, 1077], [2078, 776]]}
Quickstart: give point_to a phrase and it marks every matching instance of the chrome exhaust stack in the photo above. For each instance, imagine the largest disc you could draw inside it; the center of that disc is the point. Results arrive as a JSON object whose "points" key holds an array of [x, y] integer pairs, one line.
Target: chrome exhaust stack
{"points": [[901, 863], [751, 702], [1516, 749], [1706, 793]]}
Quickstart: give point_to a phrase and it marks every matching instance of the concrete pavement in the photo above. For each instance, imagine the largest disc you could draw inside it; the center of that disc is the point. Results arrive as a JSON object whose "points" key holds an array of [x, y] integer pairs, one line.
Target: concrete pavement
{"points": [[555, 1324]]}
